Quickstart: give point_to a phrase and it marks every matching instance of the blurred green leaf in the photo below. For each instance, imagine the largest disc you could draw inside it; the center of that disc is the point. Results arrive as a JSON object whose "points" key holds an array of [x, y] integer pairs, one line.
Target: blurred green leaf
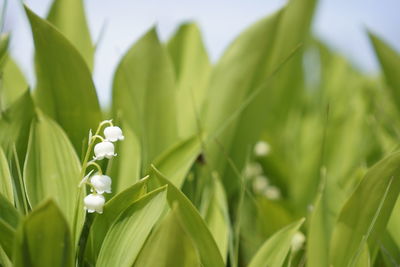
{"points": [[168, 240], [274, 251], [4, 42], [6, 187], [9, 220], [390, 62], [192, 70], [176, 162], [193, 224], [125, 169], [44, 239], [52, 168], [365, 215], [128, 233], [65, 90], [144, 94], [112, 209], [69, 18]]}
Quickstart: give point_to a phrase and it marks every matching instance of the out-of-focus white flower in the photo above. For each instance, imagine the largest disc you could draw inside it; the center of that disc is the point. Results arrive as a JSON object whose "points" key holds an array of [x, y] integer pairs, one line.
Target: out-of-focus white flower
{"points": [[298, 241], [253, 169], [272, 192], [260, 183], [262, 149], [113, 133], [94, 203], [103, 150], [101, 183]]}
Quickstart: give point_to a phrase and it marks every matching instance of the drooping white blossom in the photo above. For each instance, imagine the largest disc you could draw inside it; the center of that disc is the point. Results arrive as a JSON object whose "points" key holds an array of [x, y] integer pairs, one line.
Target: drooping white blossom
{"points": [[297, 241], [262, 149], [94, 203], [113, 134], [260, 183], [103, 150], [272, 192], [253, 169], [101, 183]]}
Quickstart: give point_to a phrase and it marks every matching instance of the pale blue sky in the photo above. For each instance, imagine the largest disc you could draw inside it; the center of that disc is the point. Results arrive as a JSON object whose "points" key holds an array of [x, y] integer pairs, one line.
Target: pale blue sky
{"points": [[341, 23]]}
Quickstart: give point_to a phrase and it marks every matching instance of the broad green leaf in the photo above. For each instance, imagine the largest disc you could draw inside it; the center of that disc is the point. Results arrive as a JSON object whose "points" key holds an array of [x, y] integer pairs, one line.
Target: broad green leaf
{"points": [[128, 233], [216, 215], [168, 240], [69, 18], [9, 220], [44, 239], [144, 94], [4, 42], [4, 260], [65, 90], [364, 217], [192, 70], [193, 224], [274, 251], [112, 209], [6, 188], [125, 169], [390, 62], [52, 168], [176, 162]]}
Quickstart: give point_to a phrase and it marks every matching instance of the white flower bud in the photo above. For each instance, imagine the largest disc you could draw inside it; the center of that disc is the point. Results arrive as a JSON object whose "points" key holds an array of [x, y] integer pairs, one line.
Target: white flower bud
{"points": [[262, 149], [103, 150], [94, 203], [298, 241], [272, 192], [113, 133], [260, 183], [101, 183], [253, 169]]}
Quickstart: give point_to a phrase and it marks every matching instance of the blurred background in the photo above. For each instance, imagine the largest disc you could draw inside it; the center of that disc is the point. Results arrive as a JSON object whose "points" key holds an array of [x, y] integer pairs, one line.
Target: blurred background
{"points": [[116, 25]]}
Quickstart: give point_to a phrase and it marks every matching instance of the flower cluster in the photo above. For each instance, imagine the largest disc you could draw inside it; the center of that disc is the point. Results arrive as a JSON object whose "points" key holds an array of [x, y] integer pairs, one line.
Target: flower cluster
{"points": [[99, 182]]}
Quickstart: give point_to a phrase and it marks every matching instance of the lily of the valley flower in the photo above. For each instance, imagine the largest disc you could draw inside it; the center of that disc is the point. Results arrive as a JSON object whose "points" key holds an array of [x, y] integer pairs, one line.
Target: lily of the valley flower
{"points": [[103, 150], [113, 133], [101, 183], [298, 241], [262, 149], [94, 203]]}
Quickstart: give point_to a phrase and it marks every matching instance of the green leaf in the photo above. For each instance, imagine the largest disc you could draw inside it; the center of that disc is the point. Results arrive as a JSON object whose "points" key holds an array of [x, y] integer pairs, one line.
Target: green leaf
{"points": [[69, 18], [274, 251], [176, 162], [112, 209], [9, 220], [129, 232], [168, 240], [216, 215], [193, 224], [192, 69], [44, 239], [144, 94], [390, 62], [65, 90], [125, 169], [52, 168], [365, 215], [6, 188]]}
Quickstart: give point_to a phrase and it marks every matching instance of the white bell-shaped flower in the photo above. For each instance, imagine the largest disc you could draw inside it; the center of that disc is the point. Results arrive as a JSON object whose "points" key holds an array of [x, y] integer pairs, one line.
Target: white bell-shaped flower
{"points": [[262, 149], [103, 150], [101, 183], [113, 133], [94, 203], [272, 192], [260, 183], [298, 241]]}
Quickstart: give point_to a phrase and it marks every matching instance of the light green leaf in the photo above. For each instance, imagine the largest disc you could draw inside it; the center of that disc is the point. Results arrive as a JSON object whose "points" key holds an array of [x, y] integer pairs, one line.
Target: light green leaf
{"points": [[65, 90], [144, 94], [168, 240], [125, 169], [128, 233], [6, 188], [52, 168], [193, 224], [274, 251], [9, 220], [192, 69], [69, 18], [44, 239], [112, 209], [390, 62], [176, 162], [365, 215]]}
